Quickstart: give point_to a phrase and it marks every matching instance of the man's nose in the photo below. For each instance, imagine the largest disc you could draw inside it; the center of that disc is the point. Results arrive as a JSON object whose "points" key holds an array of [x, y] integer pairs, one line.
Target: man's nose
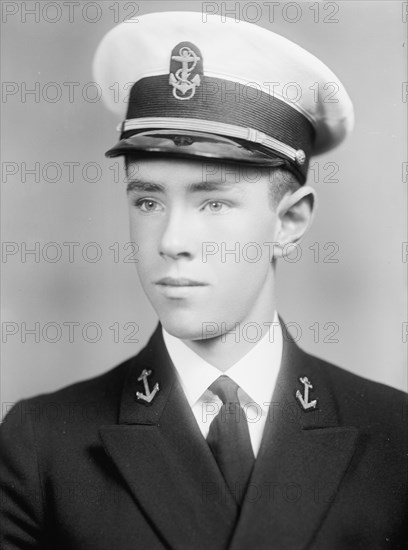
{"points": [[178, 237]]}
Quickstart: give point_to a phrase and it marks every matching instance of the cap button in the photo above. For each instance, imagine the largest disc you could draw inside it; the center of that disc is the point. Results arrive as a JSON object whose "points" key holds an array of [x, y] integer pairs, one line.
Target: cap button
{"points": [[300, 156]]}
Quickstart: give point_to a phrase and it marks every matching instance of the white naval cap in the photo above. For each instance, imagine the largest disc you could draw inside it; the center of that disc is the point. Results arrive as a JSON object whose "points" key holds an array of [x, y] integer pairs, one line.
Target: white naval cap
{"points": [[188, 84]]}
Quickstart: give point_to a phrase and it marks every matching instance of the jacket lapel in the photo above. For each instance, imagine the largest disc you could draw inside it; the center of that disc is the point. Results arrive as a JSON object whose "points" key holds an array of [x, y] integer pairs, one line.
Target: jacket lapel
{"points": [[301, 462], [165, 461]]}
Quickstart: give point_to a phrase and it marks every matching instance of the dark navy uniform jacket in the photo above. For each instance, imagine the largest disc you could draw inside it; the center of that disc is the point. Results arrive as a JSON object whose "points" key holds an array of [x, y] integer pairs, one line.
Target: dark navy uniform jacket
{"points": [[90, 467]]}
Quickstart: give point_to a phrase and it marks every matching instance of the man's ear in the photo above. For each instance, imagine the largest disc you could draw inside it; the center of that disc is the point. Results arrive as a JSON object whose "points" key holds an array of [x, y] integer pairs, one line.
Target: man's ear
{"points": [[295, 214]]}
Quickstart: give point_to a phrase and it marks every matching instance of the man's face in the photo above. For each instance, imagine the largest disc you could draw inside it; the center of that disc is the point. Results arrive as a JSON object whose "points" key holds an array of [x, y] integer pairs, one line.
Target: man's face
{"points": [[201, 228]]}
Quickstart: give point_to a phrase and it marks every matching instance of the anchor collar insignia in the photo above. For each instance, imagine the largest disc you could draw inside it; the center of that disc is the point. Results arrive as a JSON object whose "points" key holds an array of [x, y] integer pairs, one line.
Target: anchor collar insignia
{"points": [[306, 403], [149, 394]]}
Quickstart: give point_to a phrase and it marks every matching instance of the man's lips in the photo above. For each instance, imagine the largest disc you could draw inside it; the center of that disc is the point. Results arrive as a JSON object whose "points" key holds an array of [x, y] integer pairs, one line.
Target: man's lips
{"points": [[179, 281]]}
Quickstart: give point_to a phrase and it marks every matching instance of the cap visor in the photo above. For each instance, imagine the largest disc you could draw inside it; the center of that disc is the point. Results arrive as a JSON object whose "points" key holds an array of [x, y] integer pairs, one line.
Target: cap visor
{"points": [[193, 144]]}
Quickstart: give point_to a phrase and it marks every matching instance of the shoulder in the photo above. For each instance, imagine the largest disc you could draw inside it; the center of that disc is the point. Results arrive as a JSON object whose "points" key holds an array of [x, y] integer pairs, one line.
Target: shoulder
{"points": [[99, 389], [92, 401], [82, 406], [352, 382], [362, 401]]}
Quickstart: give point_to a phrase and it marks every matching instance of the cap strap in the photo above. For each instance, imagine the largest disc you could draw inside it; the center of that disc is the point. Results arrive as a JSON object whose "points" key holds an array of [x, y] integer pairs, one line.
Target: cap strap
{"points": [[230, 130]]}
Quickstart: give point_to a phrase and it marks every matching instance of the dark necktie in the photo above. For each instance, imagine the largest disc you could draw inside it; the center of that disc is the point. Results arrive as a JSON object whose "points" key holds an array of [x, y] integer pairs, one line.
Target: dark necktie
{"points": [[229, 440]]}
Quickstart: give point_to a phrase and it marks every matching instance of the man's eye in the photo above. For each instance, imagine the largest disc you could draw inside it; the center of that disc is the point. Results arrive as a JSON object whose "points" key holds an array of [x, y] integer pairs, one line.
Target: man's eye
{"points": [[216, 207], [148, 205]]}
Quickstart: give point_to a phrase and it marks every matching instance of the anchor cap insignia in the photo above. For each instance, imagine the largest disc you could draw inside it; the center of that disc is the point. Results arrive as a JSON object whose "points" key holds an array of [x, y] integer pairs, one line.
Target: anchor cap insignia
{"points": [[186, 69]]}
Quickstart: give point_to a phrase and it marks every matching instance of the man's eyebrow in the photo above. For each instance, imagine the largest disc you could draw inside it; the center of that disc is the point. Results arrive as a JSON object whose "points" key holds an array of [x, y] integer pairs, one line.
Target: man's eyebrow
{"points": [[152, 187], [214, 185], [145, 186]]}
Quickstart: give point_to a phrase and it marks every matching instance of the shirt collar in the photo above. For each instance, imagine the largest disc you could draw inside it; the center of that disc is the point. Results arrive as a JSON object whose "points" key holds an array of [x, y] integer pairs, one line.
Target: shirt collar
{"points": [[255, 373]]}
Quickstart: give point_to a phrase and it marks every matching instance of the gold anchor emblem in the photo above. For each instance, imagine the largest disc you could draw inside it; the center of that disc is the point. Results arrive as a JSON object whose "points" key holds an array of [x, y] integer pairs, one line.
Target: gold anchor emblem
{"points": [[180, 80], [148, 395], [304, 399]]}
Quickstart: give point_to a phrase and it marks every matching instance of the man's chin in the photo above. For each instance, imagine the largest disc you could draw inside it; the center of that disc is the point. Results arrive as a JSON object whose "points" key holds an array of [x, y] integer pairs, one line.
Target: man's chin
{"points": [[186, 325], [183, 330]]}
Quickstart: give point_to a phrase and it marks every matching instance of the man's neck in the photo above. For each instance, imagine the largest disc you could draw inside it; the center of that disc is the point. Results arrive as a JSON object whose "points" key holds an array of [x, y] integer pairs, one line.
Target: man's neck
{"points": [[228, 348]]}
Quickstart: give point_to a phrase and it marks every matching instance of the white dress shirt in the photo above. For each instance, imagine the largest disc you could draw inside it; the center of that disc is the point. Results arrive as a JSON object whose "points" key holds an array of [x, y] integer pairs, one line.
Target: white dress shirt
{"points": [[255, 374]]}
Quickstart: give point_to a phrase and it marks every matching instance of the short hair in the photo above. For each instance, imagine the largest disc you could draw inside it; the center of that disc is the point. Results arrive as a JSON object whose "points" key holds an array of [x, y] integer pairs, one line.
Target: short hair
{"points": [[282, 181]]}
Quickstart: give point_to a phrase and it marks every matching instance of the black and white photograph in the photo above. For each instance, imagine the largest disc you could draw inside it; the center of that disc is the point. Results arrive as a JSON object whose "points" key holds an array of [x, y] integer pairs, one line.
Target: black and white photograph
{"points": [[203, 275]]}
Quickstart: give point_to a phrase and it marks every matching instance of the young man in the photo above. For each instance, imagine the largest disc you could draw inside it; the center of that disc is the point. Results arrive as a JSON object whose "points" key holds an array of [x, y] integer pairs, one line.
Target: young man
{"points": [[206, 440]]}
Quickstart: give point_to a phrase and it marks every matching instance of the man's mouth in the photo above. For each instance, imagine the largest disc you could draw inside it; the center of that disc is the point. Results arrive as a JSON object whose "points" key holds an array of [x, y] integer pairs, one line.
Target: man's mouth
{"points": [[179, 281]]}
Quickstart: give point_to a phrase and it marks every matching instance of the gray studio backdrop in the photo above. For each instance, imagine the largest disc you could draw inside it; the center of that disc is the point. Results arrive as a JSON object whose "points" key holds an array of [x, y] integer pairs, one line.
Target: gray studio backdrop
{"points": [[71, 311]]}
